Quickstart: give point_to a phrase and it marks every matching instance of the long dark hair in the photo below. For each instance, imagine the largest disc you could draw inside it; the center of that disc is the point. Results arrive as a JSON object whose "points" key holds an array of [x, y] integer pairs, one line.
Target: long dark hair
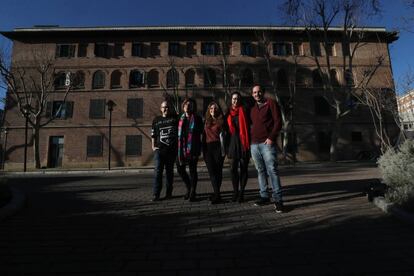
{"points": [[191, 100]]}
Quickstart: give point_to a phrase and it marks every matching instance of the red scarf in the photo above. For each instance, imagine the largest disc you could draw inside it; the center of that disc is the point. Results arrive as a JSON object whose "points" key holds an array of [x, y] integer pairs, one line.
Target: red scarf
{"points": [[243, 133]]}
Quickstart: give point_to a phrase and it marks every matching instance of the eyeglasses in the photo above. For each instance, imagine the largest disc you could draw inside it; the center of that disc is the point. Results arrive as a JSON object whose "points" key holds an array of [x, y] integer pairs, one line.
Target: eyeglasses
{"points": [[164, 106]]}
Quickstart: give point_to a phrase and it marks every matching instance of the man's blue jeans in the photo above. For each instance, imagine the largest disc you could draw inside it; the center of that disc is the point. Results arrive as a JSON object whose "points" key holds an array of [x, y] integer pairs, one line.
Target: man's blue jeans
{"points": [[163, 160], [265, 160]]}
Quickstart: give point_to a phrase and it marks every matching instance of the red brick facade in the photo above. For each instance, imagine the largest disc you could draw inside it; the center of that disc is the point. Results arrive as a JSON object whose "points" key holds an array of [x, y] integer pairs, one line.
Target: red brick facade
{"points": [[356, 135]]}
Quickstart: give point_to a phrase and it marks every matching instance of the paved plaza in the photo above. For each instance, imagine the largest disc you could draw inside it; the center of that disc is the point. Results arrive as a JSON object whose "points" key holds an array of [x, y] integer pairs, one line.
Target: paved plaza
{"points": [[106, 225]]}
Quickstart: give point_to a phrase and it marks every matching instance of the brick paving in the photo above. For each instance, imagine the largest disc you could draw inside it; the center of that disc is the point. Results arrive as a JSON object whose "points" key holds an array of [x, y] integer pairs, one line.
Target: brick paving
{"points": [[106, 225]]}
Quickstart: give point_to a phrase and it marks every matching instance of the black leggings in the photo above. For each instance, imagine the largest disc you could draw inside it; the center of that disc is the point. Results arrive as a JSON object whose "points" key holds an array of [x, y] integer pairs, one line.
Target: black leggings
{"points": [[214, 162], [237, 176], [190, 181]]}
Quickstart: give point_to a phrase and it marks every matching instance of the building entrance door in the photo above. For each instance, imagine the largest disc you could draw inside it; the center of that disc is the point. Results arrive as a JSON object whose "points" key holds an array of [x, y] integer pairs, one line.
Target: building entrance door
{"points": [[55, 151]]}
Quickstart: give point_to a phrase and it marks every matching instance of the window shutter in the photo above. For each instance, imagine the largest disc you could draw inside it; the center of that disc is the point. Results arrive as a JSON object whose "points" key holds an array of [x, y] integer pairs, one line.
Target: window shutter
{"points": [[110, 51], [71, 50], [135, 108], [69, 109], [133, 145], [57, 54], [289, 49], [48, 109], [182, 50], [145, 50], [94, 146], [97, 109], [254, 50]]}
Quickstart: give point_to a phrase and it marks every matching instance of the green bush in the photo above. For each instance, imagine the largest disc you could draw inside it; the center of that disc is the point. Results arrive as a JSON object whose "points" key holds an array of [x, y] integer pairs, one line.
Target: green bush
{"points": [[397, 169]]}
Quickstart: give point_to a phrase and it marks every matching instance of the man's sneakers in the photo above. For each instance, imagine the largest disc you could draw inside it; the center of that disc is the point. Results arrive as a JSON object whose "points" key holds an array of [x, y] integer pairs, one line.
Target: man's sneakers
{"points": [[279, 207], [155, 198], [262, 201], [265, 201]]}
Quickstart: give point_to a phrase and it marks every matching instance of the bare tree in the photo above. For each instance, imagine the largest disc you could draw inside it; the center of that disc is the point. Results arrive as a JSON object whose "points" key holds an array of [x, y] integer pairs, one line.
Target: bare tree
{"points": [[225, 68], [286, 108], [30, 87], [381, 103], [171, 90], [317, 17], [408, 20]]}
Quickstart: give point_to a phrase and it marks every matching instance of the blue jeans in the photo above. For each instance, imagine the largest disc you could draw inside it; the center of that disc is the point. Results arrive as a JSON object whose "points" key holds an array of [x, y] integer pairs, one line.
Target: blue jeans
{"points": [[265, 160], [163, 160]]}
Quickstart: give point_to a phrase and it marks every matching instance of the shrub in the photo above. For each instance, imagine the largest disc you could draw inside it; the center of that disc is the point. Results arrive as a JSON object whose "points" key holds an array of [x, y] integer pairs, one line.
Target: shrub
{"points": [[397, 169]]}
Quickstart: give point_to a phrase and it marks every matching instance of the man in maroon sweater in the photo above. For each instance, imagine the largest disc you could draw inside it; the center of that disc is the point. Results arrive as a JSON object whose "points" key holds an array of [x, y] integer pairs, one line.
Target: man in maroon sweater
{"points": [[266, 125]]}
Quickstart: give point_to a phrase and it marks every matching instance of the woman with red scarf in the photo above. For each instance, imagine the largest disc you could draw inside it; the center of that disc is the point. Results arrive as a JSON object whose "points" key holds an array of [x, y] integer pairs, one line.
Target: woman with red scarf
{"points": [[239, 146]]}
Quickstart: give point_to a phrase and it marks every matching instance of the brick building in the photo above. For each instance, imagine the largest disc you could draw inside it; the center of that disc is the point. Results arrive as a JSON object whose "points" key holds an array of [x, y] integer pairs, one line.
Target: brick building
{"points": [[406, 110], [136, 66]]}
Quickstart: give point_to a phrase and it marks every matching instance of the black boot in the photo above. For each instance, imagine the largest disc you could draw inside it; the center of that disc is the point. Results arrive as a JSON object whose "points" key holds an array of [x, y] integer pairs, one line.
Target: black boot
{"points": [[215, 199], [187, 195], [235, 196], [168, 194], [241, 196]]}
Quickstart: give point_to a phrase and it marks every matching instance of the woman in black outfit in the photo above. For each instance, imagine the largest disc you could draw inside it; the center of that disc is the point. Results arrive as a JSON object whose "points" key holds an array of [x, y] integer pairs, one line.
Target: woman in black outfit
{"points": [[239, 146], [213, 147]]}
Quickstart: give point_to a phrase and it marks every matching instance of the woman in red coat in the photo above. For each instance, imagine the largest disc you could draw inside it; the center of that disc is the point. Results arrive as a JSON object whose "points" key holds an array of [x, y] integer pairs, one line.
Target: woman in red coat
{"points": [[239, 145]]}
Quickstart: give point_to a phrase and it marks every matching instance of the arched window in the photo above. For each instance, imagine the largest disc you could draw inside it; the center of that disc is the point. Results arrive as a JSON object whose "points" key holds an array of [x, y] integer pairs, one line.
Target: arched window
{"points": [[60, 79], [282, 80], [263, 76], [98, 80], [79, 80], [317, 78], [334, 77], [153, 78], [189, 78], [300, 77], [136, 78], [116, 79], [349, 78], [228, 78], [231, 78], [210, 78], [247, 78], [172, 78]]}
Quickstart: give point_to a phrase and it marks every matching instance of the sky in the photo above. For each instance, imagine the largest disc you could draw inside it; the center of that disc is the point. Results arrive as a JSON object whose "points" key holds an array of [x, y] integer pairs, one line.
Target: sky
{"points": [[90, 13]]}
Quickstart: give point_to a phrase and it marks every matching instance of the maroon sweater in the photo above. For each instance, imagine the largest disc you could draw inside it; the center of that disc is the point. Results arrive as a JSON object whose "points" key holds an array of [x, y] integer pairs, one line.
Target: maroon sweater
{"points": [[266, 122]]}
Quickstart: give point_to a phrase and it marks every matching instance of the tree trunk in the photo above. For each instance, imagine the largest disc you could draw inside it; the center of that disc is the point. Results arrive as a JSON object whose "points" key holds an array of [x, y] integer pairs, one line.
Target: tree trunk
{"points": [[334, 140], [36, 148], [285, 141]]}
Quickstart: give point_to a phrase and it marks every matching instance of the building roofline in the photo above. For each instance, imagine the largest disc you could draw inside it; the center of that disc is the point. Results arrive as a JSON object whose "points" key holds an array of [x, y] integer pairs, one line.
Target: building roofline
{"points": [[55, 29]]}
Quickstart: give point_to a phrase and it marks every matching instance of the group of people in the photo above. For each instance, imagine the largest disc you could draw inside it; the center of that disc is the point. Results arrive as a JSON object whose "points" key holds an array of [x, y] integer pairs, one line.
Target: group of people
{"points": [[239, 134]]}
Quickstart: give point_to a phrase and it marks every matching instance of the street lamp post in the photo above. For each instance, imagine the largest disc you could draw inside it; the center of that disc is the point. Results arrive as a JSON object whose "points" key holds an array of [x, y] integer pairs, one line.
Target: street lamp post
{"points": [[26, 110], [110, 105], [3, 157]]}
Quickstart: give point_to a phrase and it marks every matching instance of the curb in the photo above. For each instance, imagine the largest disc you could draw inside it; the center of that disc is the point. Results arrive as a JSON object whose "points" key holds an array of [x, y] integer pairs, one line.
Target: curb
{"points": [[150, 169], [16, 203], [390, 208]]}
